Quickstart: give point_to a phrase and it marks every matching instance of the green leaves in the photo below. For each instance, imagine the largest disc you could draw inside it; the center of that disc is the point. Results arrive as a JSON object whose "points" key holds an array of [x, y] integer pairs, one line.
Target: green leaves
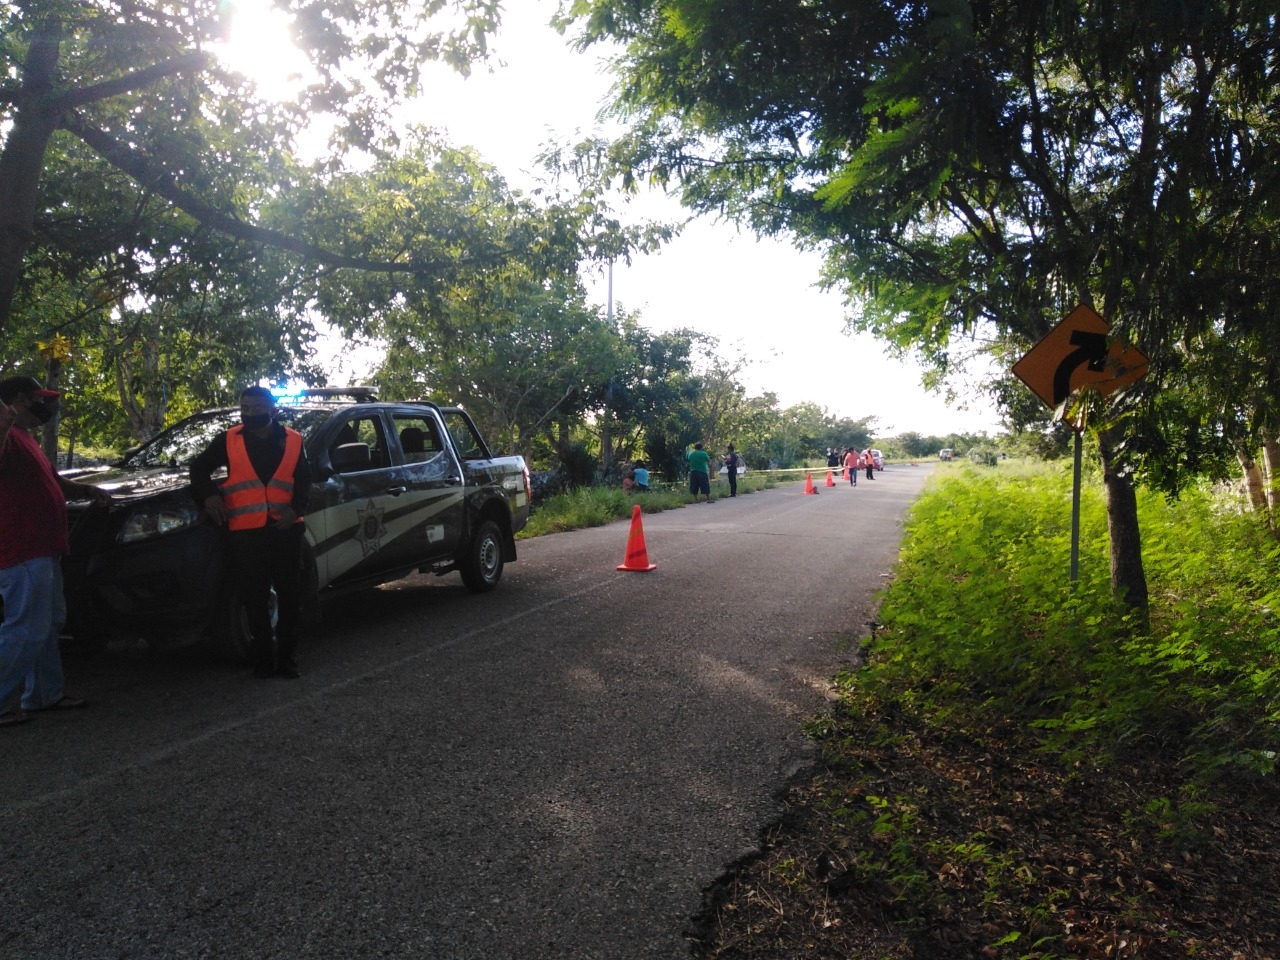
{"points": [[981, 622], [145, 92]]}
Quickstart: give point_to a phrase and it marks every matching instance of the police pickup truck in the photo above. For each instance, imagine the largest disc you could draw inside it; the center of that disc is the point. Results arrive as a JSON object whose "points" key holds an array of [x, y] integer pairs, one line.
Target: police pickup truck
{"points": [[398, 488]]}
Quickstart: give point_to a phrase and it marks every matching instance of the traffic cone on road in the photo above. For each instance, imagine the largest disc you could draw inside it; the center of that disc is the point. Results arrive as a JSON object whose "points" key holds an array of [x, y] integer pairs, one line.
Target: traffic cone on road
{"points": [[637, 558], [808, 483], [831, 479]]}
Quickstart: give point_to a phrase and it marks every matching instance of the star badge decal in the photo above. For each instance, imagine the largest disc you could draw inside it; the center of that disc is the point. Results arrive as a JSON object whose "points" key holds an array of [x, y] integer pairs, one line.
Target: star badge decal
{"points": [[370, 529]]}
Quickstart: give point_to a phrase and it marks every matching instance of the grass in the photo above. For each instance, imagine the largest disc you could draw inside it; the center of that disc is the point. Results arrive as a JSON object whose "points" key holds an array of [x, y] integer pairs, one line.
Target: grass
{"points": [[1016, 771], [596, 506]]}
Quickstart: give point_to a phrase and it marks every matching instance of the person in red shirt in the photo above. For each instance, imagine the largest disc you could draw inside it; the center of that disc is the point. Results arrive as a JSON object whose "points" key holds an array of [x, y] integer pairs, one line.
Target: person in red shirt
{"points": [[33, 540], [851, 463]]}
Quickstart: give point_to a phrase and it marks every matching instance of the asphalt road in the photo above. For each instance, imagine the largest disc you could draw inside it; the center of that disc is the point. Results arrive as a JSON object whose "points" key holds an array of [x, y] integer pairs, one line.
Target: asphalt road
{"points": [[558, 769]]}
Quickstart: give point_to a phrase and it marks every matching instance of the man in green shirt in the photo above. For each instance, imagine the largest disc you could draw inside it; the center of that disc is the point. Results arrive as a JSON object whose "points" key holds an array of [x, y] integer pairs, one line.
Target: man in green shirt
{"points": [[699, 472]]}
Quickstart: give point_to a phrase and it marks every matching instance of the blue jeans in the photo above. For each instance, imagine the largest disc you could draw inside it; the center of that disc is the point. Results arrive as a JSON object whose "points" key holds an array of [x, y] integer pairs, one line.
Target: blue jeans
{"points": [[34, 613]]}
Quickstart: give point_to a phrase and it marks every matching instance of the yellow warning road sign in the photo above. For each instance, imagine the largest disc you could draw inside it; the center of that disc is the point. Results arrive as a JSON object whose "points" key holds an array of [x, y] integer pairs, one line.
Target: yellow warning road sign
{"points": [[1075, 354]]}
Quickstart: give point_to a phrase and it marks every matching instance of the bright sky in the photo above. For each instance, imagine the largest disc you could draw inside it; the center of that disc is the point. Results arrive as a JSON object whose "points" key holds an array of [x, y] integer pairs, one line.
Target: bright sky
{"points": [[757, 297]]}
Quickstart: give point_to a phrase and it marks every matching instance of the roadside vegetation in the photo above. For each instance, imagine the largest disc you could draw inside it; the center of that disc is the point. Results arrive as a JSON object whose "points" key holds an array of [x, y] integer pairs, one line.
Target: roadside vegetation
{"points": [[1018, 769], [596, 506]]}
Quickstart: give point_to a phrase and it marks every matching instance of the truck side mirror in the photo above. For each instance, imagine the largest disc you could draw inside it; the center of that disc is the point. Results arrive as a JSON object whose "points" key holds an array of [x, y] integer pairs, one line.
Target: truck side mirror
{"points": [[350, 457]]}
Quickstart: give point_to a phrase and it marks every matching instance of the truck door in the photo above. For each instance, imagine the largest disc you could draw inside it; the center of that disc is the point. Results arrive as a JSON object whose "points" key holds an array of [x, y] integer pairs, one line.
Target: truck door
{"points": [[368, 513], [434, 479]]}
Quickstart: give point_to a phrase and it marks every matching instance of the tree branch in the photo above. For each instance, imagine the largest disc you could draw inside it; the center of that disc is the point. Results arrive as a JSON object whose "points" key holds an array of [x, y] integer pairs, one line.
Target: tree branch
{"points": [[165, 185], [136, 80]]}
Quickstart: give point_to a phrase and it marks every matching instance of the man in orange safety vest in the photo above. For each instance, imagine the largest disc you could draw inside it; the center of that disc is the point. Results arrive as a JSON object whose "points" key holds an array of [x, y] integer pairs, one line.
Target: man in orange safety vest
{"points": [[261, 503]]}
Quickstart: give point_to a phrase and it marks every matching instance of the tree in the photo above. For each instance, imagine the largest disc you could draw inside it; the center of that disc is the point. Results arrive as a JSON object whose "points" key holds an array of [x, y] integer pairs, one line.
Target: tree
{"points": [[138, 83], [977, 168], [167, 315], [656, 393], [508, 332], [844, 432], [753, 428]]}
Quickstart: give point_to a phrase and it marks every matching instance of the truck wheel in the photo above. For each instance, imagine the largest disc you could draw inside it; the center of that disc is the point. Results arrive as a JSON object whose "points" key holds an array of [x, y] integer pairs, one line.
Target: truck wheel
{"points": [[229, 635], [481, 565]]}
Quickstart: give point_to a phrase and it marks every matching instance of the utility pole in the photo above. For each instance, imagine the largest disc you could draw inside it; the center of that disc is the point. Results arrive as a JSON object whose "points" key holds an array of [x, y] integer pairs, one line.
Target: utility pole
{"points": [[606, 440]]}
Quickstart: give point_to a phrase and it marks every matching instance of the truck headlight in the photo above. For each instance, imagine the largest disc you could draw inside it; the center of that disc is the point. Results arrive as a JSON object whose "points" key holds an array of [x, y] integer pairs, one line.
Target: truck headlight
{"points": [[157, 520]]}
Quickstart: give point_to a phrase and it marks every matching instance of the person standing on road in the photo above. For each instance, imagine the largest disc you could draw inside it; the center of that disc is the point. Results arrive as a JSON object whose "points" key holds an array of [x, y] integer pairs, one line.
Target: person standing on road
{"points": [[699, 472], [33, 540], [869, 462], [732, 461], [851, 459], [262, 503]]}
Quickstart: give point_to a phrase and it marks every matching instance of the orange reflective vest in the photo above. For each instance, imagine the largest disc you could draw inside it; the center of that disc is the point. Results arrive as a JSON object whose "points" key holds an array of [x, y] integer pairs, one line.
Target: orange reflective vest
{"points": [[248, 500]]}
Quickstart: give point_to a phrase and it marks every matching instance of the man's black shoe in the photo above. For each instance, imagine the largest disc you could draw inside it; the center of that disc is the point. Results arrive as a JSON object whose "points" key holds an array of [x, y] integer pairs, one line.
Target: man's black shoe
{"points": [[289, 670]]}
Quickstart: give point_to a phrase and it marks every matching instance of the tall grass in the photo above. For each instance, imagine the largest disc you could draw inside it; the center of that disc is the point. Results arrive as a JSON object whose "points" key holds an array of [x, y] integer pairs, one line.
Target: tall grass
{"points": [[596, 506], [981, 621]]}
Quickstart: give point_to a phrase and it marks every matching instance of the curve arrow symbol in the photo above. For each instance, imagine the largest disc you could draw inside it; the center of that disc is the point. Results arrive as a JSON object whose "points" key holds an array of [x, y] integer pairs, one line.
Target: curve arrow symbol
{"points": [[1091, 348]]}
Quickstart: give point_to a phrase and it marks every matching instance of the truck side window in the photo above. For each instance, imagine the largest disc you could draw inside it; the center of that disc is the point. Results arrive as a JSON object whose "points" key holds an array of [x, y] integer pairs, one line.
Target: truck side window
{"points": [[366, 430], [419, 438], [470, 446]]}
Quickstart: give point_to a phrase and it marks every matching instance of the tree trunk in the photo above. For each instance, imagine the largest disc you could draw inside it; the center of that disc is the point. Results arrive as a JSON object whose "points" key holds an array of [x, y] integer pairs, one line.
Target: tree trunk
{"points": [[23, 158], [1271, 477], [1253, 482], [1128, 578], [49, 433]]}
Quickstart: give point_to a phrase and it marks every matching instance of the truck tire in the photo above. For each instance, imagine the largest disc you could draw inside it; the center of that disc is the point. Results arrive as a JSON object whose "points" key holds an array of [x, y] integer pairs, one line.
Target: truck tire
{"points": [[481, 564], [228, 634]]}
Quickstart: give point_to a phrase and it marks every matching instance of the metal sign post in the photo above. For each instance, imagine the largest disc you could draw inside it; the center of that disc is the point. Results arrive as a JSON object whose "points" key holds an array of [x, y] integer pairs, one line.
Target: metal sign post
{"points": [[1078, 354], [1075, 508]]}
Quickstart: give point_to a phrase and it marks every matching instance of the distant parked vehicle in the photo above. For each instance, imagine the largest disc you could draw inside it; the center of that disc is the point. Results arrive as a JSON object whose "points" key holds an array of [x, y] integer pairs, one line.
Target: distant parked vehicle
{"points": [[946, 453]]}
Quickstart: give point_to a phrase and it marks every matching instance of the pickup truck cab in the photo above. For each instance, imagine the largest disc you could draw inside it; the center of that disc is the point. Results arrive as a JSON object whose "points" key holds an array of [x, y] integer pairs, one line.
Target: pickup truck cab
{"points": [[398, 487]]}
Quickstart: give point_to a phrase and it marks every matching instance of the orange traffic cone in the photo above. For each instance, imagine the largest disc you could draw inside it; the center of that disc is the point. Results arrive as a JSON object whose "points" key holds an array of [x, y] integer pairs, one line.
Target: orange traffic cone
{"points": [[637, 557], [808, 484], [831, 479]]}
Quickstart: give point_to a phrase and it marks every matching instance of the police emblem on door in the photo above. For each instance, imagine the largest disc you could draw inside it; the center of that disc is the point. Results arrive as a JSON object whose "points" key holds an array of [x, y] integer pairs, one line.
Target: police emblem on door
{"points": [[370, 529]]}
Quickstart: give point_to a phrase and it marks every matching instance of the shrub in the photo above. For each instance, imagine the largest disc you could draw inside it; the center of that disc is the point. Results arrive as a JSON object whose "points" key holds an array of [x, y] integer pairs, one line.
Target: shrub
{"points": [[981, 620]]}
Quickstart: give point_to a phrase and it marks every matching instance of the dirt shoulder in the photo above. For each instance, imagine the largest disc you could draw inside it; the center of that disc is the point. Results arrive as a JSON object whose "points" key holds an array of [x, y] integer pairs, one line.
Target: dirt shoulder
{"points": [[911, 842]]}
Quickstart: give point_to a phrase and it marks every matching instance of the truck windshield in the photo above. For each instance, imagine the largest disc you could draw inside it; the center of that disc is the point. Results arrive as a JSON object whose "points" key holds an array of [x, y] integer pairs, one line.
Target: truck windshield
{"points": [[181, 443]]}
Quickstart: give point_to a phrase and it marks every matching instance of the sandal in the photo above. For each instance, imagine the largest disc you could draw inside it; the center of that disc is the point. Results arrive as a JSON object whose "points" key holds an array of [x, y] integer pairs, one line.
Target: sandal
{"points": [[13, 718]]}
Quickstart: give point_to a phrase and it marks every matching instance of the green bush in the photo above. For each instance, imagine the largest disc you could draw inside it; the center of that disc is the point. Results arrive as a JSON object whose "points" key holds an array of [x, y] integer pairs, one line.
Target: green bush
{"points": [[986, 456], [981, 620], [598, 505]]}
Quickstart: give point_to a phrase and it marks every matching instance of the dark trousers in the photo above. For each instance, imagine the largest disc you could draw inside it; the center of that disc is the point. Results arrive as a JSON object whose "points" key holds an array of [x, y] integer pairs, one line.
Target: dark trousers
{"points": [[732, 473], [266, 558]]}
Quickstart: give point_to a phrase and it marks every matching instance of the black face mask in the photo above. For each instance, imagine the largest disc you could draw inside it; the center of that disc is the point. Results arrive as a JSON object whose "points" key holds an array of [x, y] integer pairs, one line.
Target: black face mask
{"points": [[41, 410], [256, 421]]}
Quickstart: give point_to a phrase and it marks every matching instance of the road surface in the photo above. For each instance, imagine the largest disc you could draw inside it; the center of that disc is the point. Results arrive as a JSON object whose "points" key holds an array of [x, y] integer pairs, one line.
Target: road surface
{"points": [[558, 769]]}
